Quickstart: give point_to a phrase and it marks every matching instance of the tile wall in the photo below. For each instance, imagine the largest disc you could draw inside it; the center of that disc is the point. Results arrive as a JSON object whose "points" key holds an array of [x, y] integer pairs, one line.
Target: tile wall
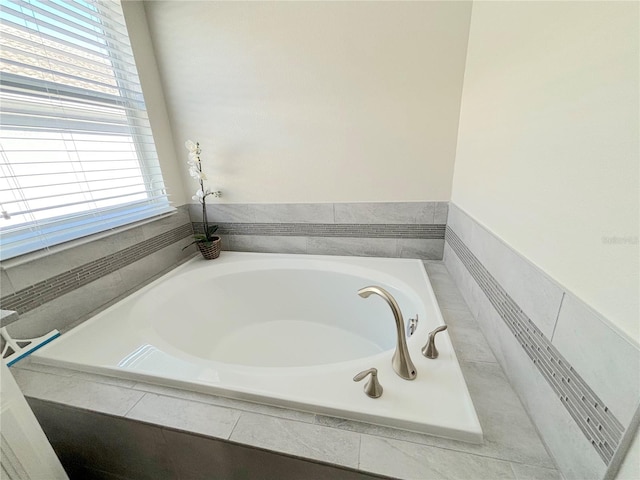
{"points": [[578, 377], [63, 287], [401, 229]]}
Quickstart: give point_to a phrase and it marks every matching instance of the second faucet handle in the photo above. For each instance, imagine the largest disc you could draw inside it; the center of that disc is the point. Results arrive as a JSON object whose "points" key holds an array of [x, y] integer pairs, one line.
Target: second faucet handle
{"points": [[372, 387], [430, 350]]}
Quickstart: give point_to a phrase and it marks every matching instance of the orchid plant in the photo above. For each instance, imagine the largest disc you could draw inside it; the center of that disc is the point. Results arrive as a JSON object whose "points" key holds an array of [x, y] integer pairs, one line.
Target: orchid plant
{"points": [[195, 170]]}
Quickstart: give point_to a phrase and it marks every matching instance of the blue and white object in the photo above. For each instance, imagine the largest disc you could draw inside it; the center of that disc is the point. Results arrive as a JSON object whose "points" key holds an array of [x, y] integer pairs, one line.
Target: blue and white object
{"points": [[17, 348]]}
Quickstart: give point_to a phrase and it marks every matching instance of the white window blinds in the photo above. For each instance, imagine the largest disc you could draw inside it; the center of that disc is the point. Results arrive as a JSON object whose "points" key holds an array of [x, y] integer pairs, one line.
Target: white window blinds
{"points": [[77, 152]]}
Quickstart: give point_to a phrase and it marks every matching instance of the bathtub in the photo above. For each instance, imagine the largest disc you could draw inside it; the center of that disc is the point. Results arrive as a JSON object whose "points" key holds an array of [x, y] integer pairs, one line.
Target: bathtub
{"points": [[284, 330]]}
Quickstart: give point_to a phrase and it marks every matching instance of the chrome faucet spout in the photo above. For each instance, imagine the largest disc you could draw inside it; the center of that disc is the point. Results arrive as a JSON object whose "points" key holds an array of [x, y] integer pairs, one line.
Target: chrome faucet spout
{"points": [[401, 360]]}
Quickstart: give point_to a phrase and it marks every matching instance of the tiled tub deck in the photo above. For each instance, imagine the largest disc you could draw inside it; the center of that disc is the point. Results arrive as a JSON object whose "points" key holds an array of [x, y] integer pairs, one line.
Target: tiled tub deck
{"points": [[162, 419]]}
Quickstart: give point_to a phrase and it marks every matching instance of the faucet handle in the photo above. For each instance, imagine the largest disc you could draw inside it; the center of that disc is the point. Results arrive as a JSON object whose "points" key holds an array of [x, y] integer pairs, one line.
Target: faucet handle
{"points": [[430, 350], [372, 387], [412, 326]]}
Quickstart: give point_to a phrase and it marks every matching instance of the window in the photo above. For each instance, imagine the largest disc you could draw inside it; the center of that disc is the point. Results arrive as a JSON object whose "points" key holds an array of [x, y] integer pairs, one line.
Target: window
{"points": [[77, 153]]}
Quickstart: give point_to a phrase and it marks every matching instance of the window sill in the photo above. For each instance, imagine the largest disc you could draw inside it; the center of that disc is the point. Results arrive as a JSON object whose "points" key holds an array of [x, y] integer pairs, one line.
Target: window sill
{"points": [[38, 254]]}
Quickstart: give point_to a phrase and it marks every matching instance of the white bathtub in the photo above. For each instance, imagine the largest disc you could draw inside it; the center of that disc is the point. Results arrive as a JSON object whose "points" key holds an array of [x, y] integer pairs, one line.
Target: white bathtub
{"points": [[286, 330]]}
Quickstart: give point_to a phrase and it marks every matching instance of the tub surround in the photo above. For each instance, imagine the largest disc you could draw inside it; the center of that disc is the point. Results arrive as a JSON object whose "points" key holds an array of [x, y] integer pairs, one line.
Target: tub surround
{"points": [[556, 351], [383, 229], [167, 418], [62, 287]]}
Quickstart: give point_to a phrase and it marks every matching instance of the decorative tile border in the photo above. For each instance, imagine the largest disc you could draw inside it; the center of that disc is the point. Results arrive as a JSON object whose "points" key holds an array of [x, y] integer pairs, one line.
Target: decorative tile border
{"points": [[603, 430], [44, 291], [416, 231]]}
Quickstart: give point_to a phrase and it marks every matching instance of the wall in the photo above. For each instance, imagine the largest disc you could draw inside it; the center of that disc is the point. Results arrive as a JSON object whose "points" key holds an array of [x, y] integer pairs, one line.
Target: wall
{"points": [[542, 232], [154, 100], [548, 145], [307, 102], [575, 374], [395, 229]]}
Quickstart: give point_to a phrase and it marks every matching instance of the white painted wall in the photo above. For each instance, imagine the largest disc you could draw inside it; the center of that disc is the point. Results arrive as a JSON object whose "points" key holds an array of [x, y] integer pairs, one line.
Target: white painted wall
{"points": [[154, 100], [315, 101], [548, 155]]}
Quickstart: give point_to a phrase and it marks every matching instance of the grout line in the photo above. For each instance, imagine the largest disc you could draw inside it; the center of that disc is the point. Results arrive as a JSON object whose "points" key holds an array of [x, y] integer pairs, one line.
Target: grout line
{"points": [[235, 425], [481, 362], [555, 324], [144, 394]]}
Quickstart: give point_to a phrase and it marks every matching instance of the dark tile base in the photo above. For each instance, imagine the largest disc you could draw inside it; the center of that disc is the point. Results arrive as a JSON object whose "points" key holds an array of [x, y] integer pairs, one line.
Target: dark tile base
{"points": [[97, 446]]}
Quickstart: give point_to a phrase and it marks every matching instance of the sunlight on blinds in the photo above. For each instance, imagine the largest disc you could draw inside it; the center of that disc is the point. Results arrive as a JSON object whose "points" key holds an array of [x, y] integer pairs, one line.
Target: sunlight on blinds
{"points": [[77, 152]]}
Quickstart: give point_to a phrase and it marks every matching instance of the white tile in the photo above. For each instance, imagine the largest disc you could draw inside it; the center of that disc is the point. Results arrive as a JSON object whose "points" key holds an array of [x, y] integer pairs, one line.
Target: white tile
{"points": [[561, 434], [574, 455], [57, 262], [185, 415], [118, 382], [441, 213], [27, 364], [529, 472], [315, 442], [466, 291], [68, 308], [609, 363], [385, 212], [367, 247], [290, 212], [166, 223], [6, 288], [412, 461], [459, 222], [537, 295], [77, 392], [140, 271], [490, 324], [222, 213], [508, 431], [228, 402], [435, 267], [467, 338], [267, 244], [424, 248]]}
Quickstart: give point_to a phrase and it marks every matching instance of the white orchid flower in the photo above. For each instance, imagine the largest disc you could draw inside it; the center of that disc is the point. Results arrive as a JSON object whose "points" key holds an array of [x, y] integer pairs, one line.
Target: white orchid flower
{"points": [[191, 145], [198, 196], [193, 171]]}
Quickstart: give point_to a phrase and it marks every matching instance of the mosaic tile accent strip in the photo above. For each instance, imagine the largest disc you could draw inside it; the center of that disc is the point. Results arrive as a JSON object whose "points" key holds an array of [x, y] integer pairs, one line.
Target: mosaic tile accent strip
{"points": [[597, 422], [422, 231], [42, 292]]}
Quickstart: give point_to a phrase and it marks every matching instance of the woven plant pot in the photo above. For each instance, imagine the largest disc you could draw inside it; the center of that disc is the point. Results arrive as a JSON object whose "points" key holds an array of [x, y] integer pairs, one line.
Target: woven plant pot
{"points": [[210, 250]]}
